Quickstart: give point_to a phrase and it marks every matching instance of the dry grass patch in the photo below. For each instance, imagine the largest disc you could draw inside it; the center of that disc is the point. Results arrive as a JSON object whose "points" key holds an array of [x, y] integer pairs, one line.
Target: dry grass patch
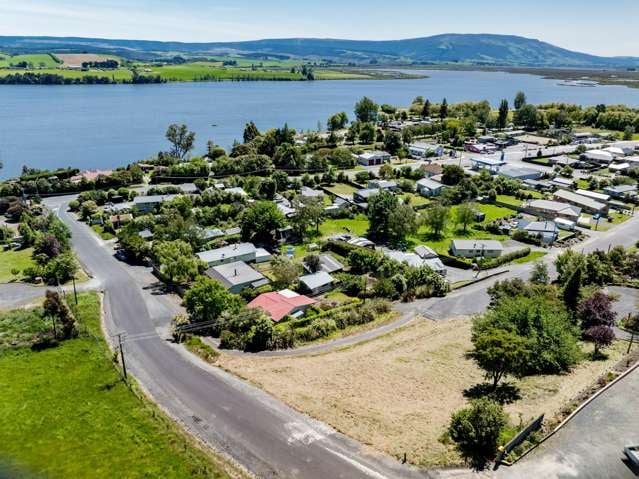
{"points": [[396, 393]]}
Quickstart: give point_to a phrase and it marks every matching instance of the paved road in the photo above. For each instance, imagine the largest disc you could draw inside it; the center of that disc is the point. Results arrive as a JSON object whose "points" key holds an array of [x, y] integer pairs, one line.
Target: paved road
{"points": [[257, 431], [589, 446], [16, 294]]}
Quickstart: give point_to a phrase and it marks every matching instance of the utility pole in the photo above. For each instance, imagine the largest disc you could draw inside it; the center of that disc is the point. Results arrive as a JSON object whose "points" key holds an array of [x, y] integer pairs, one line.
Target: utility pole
{"points": [[121, 349], [75, 292]]}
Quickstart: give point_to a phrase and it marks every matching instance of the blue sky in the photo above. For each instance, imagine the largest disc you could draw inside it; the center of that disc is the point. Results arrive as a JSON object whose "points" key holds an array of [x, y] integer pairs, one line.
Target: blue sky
{"points": [[592, 26]]}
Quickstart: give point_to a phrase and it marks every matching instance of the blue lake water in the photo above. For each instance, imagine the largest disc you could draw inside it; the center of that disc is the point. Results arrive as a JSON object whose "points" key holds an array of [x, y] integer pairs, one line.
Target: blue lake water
{"points": [[103, 126]]}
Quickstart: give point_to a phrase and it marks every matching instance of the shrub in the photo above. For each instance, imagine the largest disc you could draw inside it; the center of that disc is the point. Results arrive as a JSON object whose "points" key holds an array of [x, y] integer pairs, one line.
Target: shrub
{"points": [[503, 259]]}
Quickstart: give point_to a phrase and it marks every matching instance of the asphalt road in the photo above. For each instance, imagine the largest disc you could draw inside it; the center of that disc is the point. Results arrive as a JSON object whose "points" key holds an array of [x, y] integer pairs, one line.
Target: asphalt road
{"points": [[260, 433]]}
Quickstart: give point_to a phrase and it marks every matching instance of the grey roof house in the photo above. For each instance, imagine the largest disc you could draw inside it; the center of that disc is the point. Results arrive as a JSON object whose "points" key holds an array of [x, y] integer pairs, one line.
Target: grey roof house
{"points": [[476, 248], [229, 254], [316, 283], [237, 276]]}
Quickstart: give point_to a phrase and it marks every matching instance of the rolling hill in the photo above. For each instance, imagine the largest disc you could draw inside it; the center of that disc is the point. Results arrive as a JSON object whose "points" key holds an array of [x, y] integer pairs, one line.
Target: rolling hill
{"points": [[470, 49]]}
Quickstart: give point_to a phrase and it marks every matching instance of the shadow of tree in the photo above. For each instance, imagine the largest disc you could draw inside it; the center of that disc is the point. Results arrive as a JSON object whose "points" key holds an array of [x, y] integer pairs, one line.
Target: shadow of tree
{"points": [[506, 393]]}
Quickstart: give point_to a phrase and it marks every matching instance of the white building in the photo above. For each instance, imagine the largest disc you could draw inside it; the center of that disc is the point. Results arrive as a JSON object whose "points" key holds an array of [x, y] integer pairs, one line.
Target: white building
{"points": [[372, 158]]}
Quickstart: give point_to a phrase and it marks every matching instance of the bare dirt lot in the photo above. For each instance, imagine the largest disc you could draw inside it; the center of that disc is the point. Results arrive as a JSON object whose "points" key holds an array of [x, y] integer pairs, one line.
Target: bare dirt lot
{"points": [[396, 393], [75, 60]]}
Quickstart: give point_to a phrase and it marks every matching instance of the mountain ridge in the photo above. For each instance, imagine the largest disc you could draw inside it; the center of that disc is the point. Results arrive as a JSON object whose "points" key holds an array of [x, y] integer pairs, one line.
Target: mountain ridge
{"points": [[449, 48]]}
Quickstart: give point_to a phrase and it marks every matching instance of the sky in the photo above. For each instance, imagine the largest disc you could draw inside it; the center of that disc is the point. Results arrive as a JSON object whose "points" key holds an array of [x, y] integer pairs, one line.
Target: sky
{"points": [[591, 26]]}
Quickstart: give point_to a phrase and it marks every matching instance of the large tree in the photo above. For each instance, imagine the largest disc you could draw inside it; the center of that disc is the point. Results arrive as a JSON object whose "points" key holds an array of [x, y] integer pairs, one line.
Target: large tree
{"points": [[250, 132], [176, 261], [502, 117], [182, 140], [366, 110], [388, 220], [308, 211], [500, 353], [596, 311], [443, 110], [520, 100], [207, 299], [337, 121], [436, 218], [260, 221], [465, 215]]}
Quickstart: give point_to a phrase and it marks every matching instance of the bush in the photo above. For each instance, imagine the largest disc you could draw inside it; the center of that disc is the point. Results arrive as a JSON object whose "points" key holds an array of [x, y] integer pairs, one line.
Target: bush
{"points": [[503, 259], [318, 328]]}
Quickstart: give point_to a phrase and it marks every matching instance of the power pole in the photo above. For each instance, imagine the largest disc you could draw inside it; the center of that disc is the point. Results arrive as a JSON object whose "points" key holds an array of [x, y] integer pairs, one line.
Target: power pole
{"points": [[75, 292], [121, 349]]}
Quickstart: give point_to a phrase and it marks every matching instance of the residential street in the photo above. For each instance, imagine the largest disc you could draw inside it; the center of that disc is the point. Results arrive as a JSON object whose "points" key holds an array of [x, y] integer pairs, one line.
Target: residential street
{"points": [[239, 420], [249, 426]]}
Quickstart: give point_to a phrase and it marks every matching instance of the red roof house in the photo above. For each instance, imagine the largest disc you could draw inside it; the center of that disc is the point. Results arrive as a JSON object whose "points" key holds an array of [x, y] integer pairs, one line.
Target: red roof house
{"points": [[279, 304]]}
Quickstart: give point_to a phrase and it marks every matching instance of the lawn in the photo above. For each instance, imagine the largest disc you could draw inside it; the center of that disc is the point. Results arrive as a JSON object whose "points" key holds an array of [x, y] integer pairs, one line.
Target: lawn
{"points": [[12, 258], [355, 226], [341, 189], [118, 75], [396, 393], [105, 235], [509, 200], [532, 256], [36, 60], [415, 200], [66, 413], [494, 212]]}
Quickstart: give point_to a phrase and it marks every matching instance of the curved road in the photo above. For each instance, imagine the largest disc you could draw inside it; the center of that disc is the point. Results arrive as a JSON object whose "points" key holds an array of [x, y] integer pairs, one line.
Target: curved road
{"points": [[263, 435]]}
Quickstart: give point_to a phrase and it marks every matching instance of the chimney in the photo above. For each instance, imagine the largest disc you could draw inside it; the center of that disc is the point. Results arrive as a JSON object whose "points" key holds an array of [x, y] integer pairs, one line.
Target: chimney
{"points": [[235, 271]]}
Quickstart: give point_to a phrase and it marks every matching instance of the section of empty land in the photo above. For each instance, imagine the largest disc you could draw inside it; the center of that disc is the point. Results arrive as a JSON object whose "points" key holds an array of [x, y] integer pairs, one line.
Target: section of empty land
{"points": [[396, 393]]}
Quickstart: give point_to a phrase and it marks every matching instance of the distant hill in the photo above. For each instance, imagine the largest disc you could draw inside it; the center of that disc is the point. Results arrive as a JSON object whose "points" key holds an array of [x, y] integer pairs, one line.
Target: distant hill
{"points": [[471, 49]]}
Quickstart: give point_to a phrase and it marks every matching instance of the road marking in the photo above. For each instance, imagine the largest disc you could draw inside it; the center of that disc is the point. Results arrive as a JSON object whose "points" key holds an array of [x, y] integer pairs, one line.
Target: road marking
{"points": [[300, 432], [359, 466]]}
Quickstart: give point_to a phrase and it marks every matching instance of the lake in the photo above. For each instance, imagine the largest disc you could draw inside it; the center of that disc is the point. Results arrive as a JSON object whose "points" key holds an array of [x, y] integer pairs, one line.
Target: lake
{"points": [[103, 126]]}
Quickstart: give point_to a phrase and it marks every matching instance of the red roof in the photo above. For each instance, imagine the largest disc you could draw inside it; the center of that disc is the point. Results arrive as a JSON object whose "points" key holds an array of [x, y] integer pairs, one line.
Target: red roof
{"points": [[280, 303]]}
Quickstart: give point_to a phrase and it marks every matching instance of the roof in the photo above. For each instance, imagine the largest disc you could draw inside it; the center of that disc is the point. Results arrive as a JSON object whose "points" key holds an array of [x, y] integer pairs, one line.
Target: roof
{"points": [[188, 187], [367, 192], [233, 231], [426, 252], [153, 199], [579, 199], [316, 280], [541, 226], [599, 155], [621, 188], [518, 171], [329, 264], [555, 206], [488, 161], [233, 274], [91, 175], [477, 244], [429, 183], [310, 192], [237, 190], [433, 169], [563, 181], [145, 234], [226, 252], [424, 145], [382, 184], [594, 195], [373, 154], [360, 241], [279, 304]]}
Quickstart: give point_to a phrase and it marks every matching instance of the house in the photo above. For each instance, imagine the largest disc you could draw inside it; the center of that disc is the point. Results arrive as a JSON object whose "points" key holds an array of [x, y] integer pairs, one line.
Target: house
{"points": [[554, 209], [491, 164], [476, 248], [279, 304], [146, 234], [285, 208], [362, 196], [562, 183], [339, 204], [262, 256], [237, 276], [540, 185], [371, 158], [619, 167], [428, 187], [213, 233], [358, 241], [547, 231], [146, 204], [387, 185], [620, 191], [415, 260], [307, 192], [229, 254], [565, 224], [316, 283], [426, 252], [601, 197], [432, 169], [585, 203], [519, 173], [238, 190], [420, 150], [481, 148], [189, 188], [329, 264], [563, 160], [233, 231], [599, 157], [615, 151]]}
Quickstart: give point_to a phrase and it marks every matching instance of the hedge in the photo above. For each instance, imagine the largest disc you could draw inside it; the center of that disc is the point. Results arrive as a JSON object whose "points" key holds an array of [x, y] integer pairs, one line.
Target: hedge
{"points": [[501, 260]]}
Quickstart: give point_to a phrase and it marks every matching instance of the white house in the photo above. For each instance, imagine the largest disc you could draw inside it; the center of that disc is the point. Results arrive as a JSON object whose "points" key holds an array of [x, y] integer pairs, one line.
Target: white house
{"points": [[428, 187], [420, 150], [316, 283], [371, 158], [229, 254], [476, 248]]}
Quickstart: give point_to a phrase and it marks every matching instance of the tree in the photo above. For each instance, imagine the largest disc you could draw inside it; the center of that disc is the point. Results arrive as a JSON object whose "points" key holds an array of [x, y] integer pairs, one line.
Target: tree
{"points": [[596, 311], [443, 110], [520, 100], [182, 140], [465, 215], [476, 430], [308, 211], [388, 220], [288, 157], [629, 133], [539, 274], [502, 117], [207, 299], [452, 174], [250, 132], [134, 246], [572, 290], [499, 353], [285, 271], [61, 268], [436, 218], [528, 116], [426, 109], [281, 180], [55, 307], [267, 189], [313, 263], [601, 336], [366, 110], [176, 261], [260, 221], [393, 142], [367, 133], [337, 121]]}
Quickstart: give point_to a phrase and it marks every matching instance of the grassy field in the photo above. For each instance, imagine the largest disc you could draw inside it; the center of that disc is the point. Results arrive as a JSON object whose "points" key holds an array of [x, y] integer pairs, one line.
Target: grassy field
{"points": [[355, 226], [341, 189], [494, 212], [533, 256], [396, 393], [118, 75], [10, 259], [105, 235], [66, 413], [36, 60], [509, 200]]}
